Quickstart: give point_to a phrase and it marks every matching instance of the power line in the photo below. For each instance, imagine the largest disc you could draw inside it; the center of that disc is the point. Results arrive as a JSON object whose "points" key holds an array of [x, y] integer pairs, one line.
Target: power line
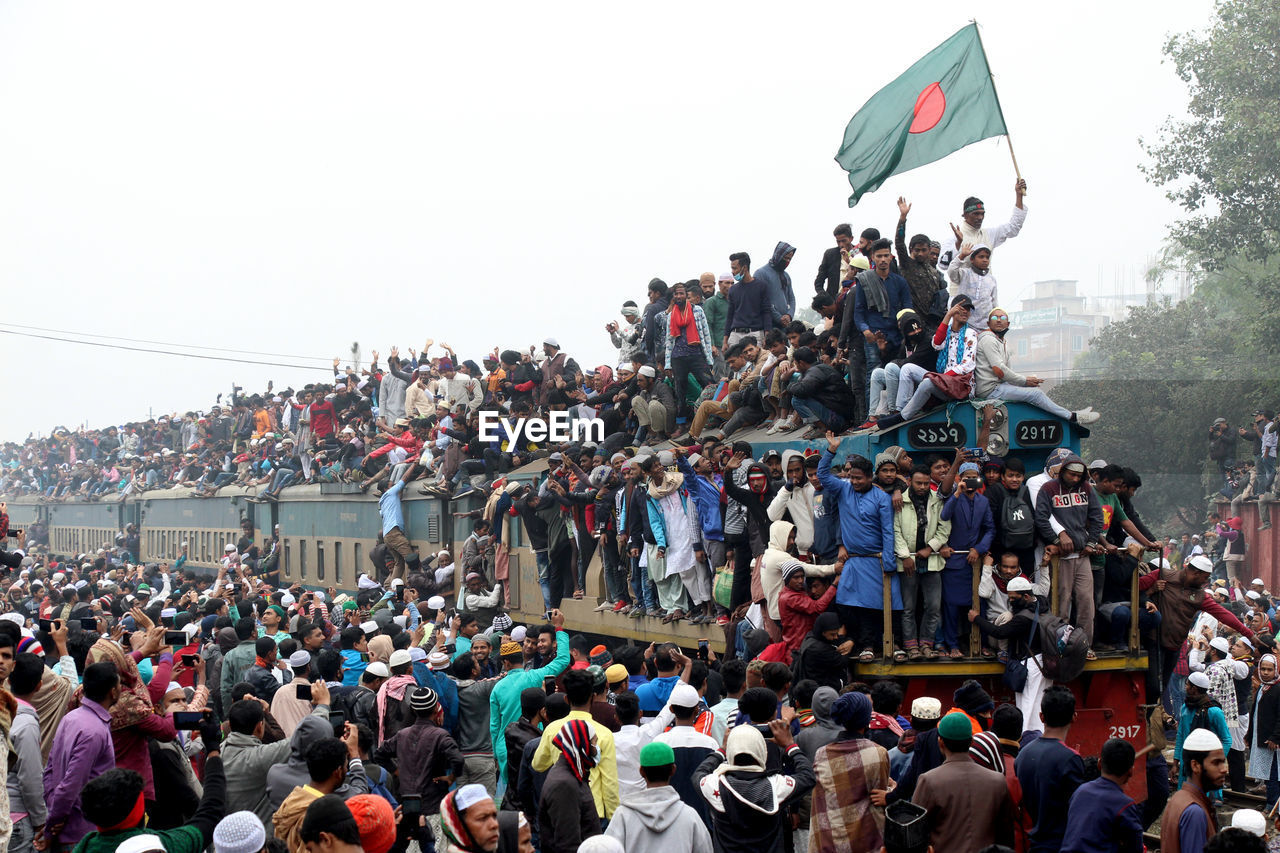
{"points": [[161, 343], [160, 352]]}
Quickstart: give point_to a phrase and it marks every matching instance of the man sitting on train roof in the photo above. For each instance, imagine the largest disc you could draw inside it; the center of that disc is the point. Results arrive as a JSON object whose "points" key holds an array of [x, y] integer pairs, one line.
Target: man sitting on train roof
{"points": [[996, 379], [956, 343]]}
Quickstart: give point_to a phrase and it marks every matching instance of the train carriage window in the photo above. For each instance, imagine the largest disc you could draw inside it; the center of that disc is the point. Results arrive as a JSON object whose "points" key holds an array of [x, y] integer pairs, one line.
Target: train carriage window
{"points": [[302, 559], [288, 560], [357, 551], [337, 564], [319, 560]]}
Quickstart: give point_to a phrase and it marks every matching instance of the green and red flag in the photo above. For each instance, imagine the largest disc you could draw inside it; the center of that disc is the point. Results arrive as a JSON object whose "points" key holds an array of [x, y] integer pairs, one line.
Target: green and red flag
{"points": [[939, 105]]}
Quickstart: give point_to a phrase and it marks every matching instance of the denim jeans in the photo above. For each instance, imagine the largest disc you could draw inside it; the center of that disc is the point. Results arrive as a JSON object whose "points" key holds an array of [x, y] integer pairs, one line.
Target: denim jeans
{"points": [[884, 379], [1034, 396], [643, 592], [811, 410], [909, 376], [1119, 624], [915, 630], [615, 577], [23, 835], [871, 354], [544, 573]]}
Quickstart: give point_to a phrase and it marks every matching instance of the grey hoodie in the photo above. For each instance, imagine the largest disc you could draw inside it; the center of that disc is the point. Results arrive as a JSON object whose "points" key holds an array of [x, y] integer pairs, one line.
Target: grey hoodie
{"points": [[283, 778], [823, 731], [26, 771], [656, 821]]}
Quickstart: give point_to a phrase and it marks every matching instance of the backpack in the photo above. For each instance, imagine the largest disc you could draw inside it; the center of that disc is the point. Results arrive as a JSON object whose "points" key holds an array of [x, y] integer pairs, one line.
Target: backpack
{"points": [[1017, 522], [1063, 648]]}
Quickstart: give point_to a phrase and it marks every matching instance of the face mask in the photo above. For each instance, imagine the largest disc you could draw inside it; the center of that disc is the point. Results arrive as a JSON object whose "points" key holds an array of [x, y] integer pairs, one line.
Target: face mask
{"points": [[737, 277]]}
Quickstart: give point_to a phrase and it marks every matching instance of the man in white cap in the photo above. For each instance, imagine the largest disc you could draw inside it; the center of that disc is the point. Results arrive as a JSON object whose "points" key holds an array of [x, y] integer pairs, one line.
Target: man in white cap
{"points": [[556, 366], [1189, 820], [239, 832], [1251, 821], [287, 706], [1180, 597], [654, 406], [1198, 713]]}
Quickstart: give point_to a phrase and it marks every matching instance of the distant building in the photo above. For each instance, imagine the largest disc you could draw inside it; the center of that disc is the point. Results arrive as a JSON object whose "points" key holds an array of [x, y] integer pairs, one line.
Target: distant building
{"points": [[1051, 331]]}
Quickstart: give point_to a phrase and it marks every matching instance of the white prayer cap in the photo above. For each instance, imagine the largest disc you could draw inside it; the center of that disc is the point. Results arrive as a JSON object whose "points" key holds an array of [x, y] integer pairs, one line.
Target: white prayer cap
{"points": [[1251, 821], [231, 546], [395, 582], [1253, 595], [145, 843], [468, 795], [369, 627], [435, 602], [684, 695], [174, 687], [1201, 563], [401, 620], [1255, 582], [647, 370], [1245, 640], [319, 596], [1199, 679], [287, 599], [1221, 590], [299, 659], [1201, 740], [1221, 644], [169, 613], [1019, 584], [518, 633]]}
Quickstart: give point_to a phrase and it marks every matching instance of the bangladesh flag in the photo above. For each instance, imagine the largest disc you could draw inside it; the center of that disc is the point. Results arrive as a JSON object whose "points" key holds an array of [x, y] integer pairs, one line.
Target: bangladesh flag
{"points": [[941, 104]]}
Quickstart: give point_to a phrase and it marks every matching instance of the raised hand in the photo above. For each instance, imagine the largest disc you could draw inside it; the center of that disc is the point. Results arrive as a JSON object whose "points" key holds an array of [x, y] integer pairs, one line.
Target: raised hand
{"points": [[903, 207], [956, 231], [833, 441]]}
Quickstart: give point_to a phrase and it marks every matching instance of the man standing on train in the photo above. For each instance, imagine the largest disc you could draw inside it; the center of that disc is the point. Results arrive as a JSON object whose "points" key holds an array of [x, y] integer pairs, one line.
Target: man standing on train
{"points": [[866, 553]]}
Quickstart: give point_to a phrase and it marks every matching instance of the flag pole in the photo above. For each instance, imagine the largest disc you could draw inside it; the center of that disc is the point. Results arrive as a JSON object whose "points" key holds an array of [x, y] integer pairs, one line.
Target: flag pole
{"points": [[1007, 137]]}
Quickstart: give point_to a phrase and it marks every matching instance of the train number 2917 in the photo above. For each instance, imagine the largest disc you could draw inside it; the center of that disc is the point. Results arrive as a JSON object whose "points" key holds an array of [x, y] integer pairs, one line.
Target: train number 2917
{"points": [[1125, 732]]}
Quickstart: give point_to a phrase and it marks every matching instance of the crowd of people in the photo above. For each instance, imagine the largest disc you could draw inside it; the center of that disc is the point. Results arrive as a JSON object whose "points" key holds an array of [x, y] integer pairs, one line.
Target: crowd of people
{"points": [[149, 708]]}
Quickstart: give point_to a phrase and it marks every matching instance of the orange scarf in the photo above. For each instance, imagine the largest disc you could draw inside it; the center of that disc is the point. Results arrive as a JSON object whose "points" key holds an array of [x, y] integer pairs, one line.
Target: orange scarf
{"points": [[684, 320]]}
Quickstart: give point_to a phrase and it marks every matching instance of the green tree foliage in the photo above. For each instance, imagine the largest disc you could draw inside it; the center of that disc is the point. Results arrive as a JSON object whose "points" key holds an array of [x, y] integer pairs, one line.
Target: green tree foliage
{"points": [[1161, 376], [1222, 163]]}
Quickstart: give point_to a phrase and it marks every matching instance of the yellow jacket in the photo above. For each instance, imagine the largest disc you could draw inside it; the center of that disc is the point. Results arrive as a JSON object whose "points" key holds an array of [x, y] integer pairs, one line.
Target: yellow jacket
{"points": [[604, 776]]}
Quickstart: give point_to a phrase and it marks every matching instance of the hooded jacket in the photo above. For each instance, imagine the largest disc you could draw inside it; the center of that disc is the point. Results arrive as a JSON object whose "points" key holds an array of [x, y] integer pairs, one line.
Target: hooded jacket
{"points": [[248, 761], [1077, 509], [824, 384], [824, 730], [654, 820], [747, 804], [797, 501], [771, 567], [777, 282], [283, 778]]}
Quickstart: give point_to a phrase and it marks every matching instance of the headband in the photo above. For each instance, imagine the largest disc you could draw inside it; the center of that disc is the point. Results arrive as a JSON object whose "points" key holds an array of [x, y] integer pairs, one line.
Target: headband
{"points": [[973, 207]]}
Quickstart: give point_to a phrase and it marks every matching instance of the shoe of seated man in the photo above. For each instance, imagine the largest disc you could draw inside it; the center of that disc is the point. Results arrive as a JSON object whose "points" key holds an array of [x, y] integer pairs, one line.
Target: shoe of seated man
{"points": [[1084, 417]]}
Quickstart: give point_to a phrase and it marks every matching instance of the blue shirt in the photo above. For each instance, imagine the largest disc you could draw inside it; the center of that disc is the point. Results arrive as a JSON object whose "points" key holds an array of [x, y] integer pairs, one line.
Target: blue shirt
{"points": [[654, 695], [390, 509], [866, 528], [1102, 818], [899, 296], [1049, 772]]}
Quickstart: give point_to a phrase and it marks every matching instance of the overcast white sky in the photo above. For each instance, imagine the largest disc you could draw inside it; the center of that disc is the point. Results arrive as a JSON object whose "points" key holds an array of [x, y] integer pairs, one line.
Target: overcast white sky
{"points": [[291, 177]]}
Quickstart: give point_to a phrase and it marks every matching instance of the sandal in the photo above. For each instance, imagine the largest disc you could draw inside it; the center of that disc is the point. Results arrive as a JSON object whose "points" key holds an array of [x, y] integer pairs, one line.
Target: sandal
{"points": [[899, 656], [956, 654], [1089, 655], [987, 653], [929, 653], [579, 594], [866, 656], [913, 653]]}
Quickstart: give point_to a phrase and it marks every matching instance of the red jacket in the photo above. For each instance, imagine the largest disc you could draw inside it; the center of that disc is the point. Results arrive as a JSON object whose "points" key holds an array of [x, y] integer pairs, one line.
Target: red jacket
{"points": [[798, 613]]}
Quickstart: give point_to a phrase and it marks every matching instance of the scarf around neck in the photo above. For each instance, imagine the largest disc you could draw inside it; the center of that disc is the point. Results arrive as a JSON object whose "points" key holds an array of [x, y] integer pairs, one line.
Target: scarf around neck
{"points": [[670, 483], [946, 348], [683, 320]]}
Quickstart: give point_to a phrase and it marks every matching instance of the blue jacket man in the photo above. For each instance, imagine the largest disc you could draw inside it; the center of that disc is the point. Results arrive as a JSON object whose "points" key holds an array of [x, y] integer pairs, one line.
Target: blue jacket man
{"points": [[972, 530], [778, 282], [866, 537], [1102, 817]]}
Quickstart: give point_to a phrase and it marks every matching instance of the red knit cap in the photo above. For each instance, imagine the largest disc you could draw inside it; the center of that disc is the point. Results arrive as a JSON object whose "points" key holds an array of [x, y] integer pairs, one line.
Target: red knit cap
{"points": [[376, 820]]}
